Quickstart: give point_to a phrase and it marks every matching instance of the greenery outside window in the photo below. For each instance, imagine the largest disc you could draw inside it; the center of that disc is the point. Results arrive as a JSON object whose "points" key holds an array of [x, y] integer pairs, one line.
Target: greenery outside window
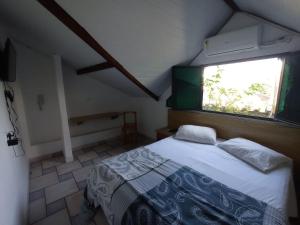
{"points": [[245, 88]]}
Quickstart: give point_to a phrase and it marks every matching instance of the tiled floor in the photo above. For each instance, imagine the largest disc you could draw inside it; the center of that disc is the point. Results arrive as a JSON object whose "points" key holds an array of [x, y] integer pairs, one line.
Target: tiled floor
{"points": [[56, 188]]}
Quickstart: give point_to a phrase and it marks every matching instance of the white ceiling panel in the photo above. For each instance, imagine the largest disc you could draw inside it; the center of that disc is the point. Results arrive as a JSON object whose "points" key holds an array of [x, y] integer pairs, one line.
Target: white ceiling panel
{"points": [[285, 12], [115, 79], [31, 23], [147, 37]]}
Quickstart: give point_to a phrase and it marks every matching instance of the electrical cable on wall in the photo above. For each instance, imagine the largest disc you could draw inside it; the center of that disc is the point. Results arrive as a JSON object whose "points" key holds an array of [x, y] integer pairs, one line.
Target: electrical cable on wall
{"points": [[12, 136]]}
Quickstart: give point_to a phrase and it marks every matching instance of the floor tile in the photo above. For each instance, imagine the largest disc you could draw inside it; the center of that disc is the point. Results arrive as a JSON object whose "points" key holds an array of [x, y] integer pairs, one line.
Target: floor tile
{"points": [[81, 174], [35, 164], [81, 185], [59, 218], [60, 190], [68, 167], [77, 153], [100, 218], [65, 176], [87, 163], [74, 202], [49, 170], [36, 195], [101, 148], [43, 181], [55, 206], [36, 171], [87, 156], [58, 201], [101, 158], [103, 155], [114, 142], [130, 146], [117, 151], [37, 210], [52, 162], [88, 148], [76, 221]]}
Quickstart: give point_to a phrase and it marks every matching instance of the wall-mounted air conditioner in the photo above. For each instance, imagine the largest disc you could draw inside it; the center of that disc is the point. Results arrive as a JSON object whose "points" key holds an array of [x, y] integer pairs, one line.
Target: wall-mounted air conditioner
{"points": [[245, 39]]}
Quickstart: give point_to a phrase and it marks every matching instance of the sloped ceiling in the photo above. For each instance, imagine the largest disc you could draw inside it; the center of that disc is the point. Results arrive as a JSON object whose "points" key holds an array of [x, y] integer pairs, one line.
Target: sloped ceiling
{"points": [[147, 37], [285, 12]]}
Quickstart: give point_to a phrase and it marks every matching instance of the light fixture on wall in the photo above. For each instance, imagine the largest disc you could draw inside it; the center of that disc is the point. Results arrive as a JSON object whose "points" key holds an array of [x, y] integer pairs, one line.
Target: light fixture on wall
{"points": [[40, 101]]}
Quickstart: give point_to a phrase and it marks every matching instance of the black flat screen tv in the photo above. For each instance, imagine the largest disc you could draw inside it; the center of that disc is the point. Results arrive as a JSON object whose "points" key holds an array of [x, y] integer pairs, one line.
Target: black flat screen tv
{"points": [[8, 63]]}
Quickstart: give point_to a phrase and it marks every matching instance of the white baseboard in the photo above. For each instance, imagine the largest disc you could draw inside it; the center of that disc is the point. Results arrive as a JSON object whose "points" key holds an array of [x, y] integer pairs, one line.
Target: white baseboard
{"points": [[47, 148]]}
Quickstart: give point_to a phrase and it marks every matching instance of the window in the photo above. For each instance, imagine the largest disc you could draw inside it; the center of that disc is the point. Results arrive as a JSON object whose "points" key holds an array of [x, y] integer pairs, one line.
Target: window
{"points": [[246, 88], [266, 88]]}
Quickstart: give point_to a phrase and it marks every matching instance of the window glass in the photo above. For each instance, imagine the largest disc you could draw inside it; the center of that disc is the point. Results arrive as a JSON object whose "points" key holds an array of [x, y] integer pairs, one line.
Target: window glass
{"points": [[246, 88]]}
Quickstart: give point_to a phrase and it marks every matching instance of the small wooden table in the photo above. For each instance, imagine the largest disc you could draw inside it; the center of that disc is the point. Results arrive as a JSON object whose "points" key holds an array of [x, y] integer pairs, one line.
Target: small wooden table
{"points": [[164, 133]]}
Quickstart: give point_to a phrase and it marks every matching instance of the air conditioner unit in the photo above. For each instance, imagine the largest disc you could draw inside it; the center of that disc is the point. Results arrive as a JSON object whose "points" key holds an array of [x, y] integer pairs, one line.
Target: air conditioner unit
{"points": [[245, 39]]}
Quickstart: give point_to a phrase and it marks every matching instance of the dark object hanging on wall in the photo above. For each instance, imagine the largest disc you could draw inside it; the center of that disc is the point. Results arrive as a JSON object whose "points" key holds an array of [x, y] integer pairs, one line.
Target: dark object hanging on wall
{"points": [[289, 99], [186, 88], [8, 63]]}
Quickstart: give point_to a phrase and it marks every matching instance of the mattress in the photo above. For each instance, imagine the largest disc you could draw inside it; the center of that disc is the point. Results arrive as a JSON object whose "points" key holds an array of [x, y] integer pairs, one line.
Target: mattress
{"points": [[275, 188]]}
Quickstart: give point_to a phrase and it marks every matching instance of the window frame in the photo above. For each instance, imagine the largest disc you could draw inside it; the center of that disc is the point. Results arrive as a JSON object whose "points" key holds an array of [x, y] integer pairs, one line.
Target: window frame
{"points": [[280, 55]]}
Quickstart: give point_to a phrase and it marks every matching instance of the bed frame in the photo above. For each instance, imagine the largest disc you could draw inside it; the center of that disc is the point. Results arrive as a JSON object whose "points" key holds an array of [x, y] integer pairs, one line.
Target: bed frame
{"points": [[279, 136]]}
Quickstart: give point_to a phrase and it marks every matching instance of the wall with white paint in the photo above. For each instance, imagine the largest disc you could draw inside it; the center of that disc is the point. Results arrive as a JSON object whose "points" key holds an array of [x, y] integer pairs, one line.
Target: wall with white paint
{"points": [[64, 119], [36, 77], [85, 96], [152, 114], [14, 170]]}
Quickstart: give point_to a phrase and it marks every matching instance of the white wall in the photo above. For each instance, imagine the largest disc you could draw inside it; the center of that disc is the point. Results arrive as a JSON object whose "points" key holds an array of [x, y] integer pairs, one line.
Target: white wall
{"points": [[36, 76], [86, 96], [152, 114], [14, 172]]}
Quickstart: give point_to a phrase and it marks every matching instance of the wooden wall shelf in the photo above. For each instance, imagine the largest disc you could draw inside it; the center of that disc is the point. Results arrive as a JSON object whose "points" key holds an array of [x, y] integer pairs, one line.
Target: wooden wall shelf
{"points": [[81, 119]]}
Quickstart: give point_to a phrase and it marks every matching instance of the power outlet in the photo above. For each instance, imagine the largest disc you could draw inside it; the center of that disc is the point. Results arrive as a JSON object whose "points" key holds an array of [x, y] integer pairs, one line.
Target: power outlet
{"points": [[12, 140]]}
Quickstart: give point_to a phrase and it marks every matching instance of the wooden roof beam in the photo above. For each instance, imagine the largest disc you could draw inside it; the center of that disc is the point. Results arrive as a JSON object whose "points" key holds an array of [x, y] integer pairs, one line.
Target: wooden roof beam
{"points": [[232, 5], [94, 68], [83, 34]]}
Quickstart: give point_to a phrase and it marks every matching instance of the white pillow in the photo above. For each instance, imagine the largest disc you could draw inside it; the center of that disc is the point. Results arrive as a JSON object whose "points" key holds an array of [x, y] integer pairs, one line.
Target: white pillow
{"points": [[259, 156], [204, 135]]}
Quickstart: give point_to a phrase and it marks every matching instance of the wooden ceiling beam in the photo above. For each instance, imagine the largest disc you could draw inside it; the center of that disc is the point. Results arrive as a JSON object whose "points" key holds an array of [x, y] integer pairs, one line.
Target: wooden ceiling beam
{"points": [[94, 68], [232, 5], [82, 33]]}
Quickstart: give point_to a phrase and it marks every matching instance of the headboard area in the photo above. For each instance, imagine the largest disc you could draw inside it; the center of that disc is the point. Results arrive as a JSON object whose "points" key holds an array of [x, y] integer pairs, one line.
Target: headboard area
{"points": [[275, 135]]}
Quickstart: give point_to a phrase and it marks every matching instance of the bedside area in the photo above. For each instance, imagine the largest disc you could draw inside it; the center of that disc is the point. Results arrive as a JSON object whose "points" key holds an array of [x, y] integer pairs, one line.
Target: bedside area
{"points": [[164, 133]]}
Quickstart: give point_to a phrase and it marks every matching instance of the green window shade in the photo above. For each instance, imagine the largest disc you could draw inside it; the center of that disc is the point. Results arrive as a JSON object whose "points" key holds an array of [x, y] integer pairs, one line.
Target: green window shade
{"points": [[288, 108], [186, 88]]}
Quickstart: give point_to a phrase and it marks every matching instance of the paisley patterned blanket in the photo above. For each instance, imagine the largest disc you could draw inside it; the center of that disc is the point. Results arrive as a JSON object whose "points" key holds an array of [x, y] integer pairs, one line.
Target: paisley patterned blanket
{"points": [[141, 187]]}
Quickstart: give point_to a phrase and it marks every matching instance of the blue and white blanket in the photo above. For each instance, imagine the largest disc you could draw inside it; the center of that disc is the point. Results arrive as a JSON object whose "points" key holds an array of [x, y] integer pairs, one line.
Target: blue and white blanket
{"points": [[142, 187]]}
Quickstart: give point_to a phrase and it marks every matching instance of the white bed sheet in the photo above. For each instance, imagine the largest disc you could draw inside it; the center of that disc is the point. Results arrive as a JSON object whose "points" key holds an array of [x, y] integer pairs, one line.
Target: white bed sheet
{"points": [[275, 188]]}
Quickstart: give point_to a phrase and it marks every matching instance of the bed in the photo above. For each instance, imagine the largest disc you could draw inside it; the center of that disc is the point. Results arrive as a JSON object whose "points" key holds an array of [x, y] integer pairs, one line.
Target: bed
{"points": [[130, 187]]}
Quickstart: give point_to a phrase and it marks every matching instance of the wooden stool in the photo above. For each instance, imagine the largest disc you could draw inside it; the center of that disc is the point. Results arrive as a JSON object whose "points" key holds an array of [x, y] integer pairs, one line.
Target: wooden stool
{"points": [[129, 128]]}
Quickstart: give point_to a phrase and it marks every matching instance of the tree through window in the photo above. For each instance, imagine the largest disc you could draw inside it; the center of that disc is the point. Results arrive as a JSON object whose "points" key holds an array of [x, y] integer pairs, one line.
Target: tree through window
{"points": [[247, 88]]}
